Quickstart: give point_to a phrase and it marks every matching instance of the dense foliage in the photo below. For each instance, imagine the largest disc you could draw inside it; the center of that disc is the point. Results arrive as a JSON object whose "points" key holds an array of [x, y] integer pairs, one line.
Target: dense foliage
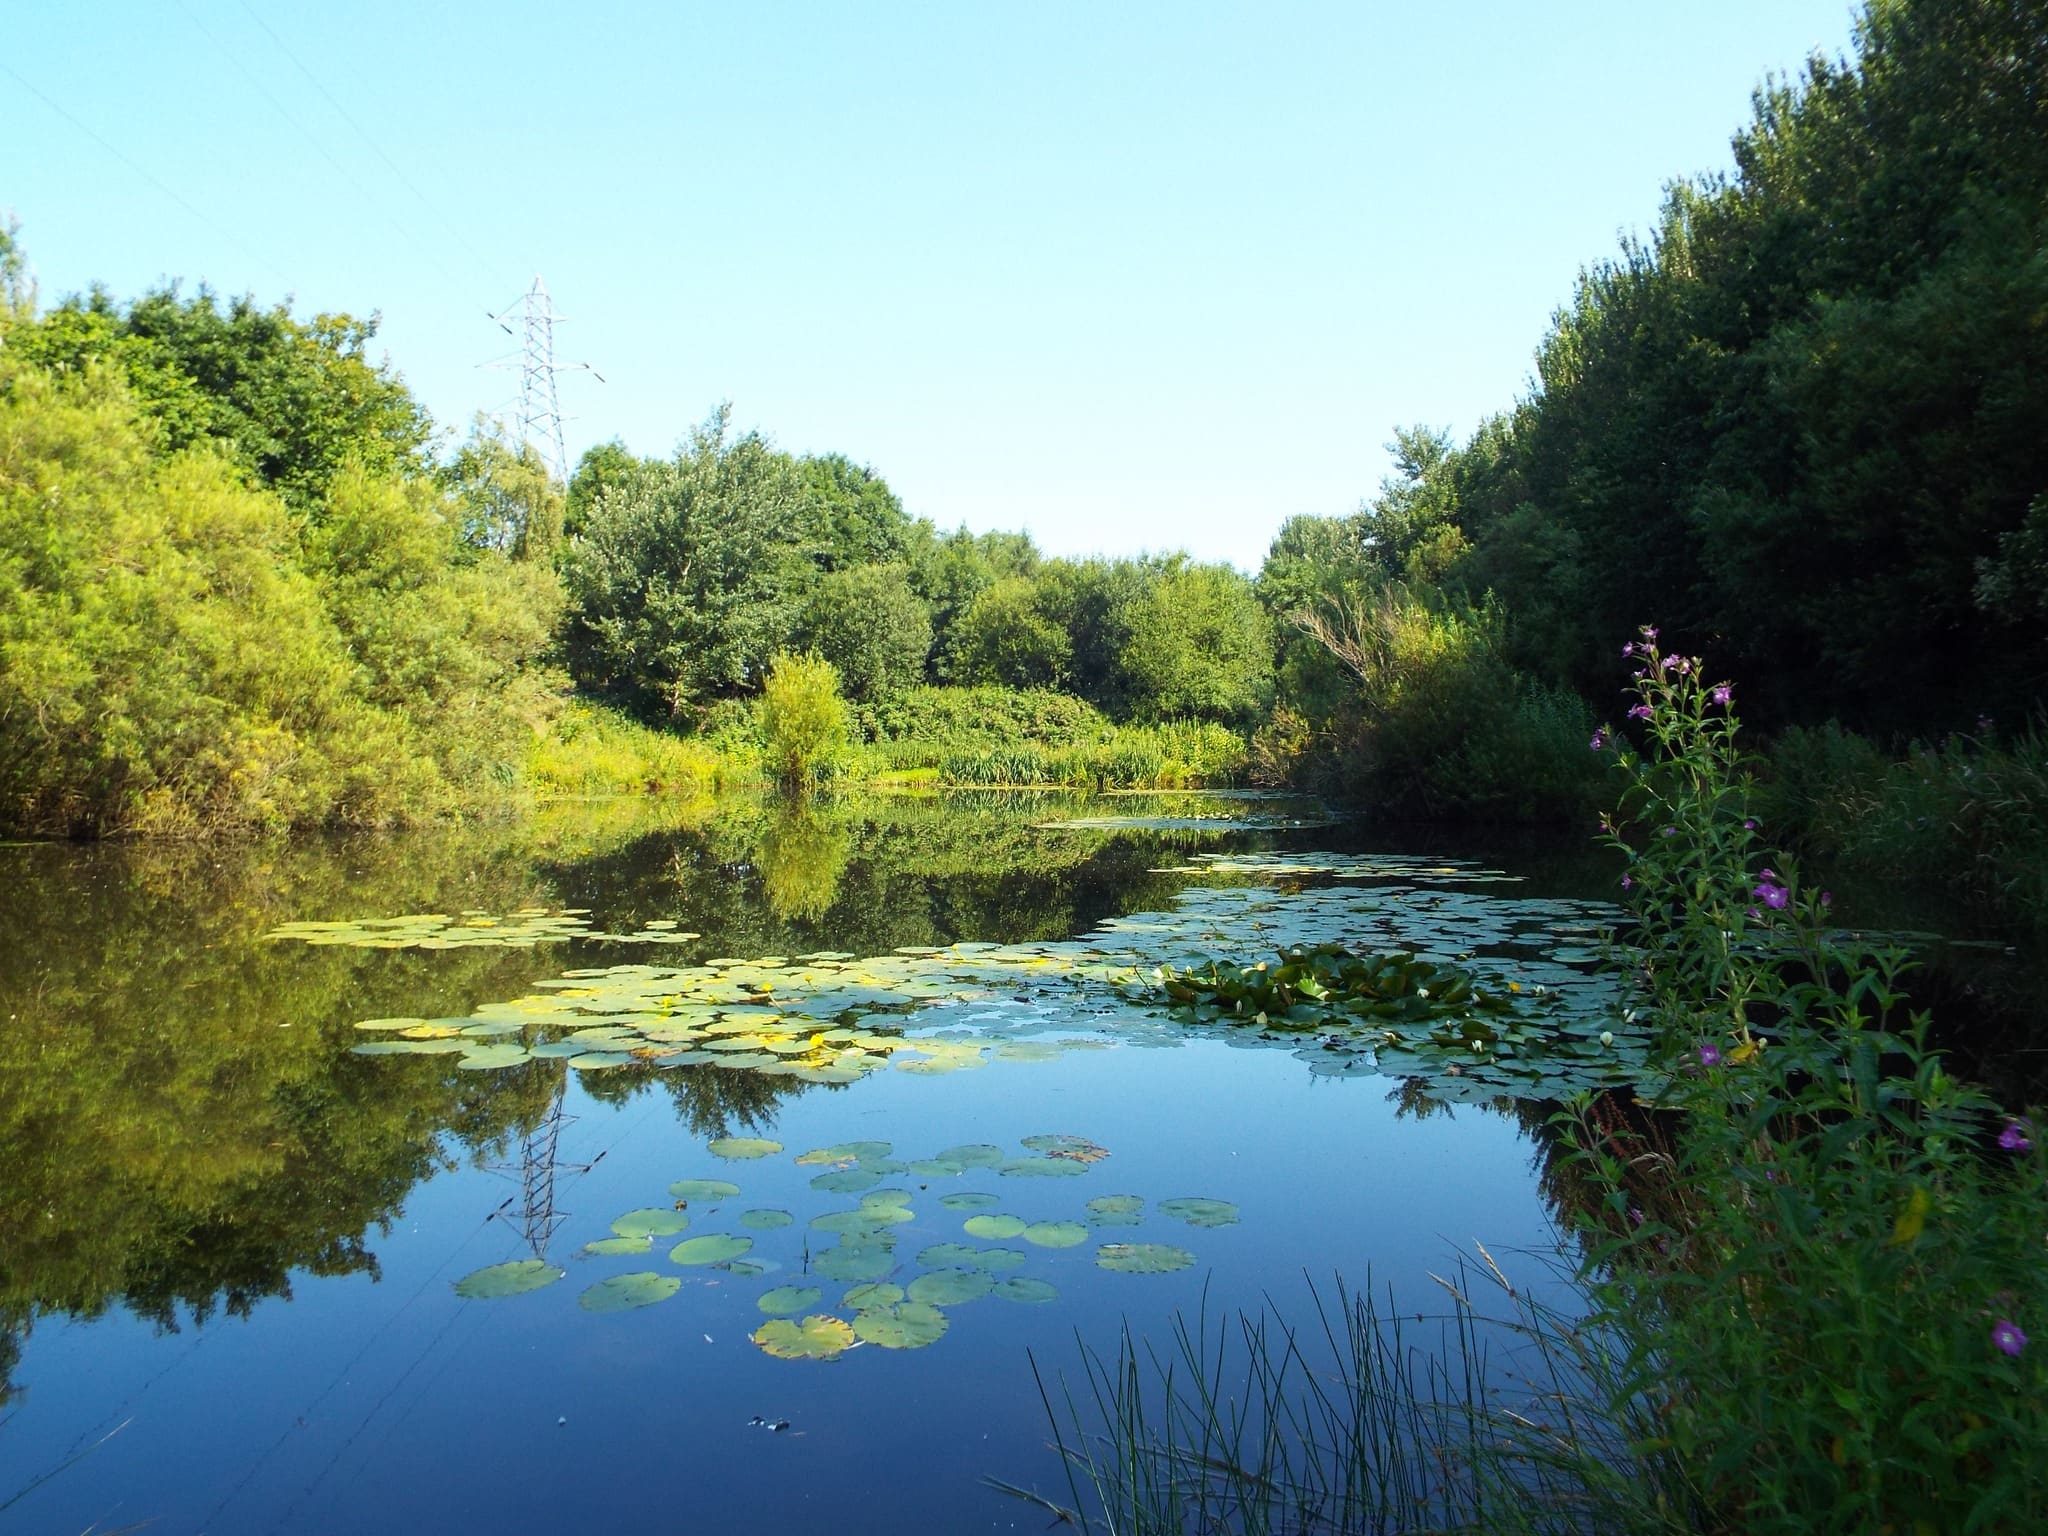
{"points": [[1803, 417]]}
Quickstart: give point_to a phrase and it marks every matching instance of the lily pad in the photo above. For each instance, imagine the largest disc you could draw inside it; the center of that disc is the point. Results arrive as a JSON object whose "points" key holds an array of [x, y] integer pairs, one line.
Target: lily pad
{"points": [[949, 1256], [819, 1337], [845, 1152], [950, 1287], [873, 1294], [1143, 1258], [1079, 1148], [514, 1279], [408, 1048], [853, 1263], [766, 1220], [622, 1293], [1116, 1211], [1198, 1212], [741, 1148], [598, 1061], [1042, 1168], [711, 1248], [910, 1325], [1024, 1288], [994, 1226], [787, 1300], [607, 1247], [490, 1058], [651, 1221], [706, 1190], [1055, 1234], [846, 1181], [997, 1260], [969, 1200], [974, 1155]]}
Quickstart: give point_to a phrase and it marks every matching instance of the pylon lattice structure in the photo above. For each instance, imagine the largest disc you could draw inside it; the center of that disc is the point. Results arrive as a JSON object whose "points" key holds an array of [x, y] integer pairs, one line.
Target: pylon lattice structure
{"points": [[539, 1163], [539, 419]]}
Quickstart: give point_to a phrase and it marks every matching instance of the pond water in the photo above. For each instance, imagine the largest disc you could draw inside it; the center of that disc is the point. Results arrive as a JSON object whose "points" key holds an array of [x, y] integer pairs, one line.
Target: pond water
{"points": [[725, 1166]]}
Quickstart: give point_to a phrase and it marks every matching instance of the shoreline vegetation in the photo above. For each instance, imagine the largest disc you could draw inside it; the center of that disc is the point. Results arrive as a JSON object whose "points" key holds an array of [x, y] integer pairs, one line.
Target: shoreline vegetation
{"points": [[247, 585]]}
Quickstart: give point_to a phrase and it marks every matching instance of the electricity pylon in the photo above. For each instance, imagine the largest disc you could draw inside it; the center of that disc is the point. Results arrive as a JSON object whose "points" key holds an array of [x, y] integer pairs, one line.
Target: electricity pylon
{"points": [[539, 421]]}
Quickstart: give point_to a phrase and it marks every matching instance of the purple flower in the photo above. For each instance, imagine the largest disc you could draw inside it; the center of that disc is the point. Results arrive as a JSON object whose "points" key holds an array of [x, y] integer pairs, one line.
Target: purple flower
{"points": [[1627, 883], [1640, 712], [1722, 693], [1629, 649], [1599, 741], [2005, 1333], [2014, 1137], [1749, 826], [1710, 1055], [1827, 898], [1772, 896], [1649, 631], [1670, 832]]}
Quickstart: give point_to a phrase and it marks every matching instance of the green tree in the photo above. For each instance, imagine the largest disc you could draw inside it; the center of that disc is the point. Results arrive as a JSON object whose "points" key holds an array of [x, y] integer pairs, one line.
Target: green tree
{"points": [[602, 467], [690, 574], [1201, 647], [859, 518], [803, 719], [869, 622], [295, 402], [1006, 637], [508, 500]]}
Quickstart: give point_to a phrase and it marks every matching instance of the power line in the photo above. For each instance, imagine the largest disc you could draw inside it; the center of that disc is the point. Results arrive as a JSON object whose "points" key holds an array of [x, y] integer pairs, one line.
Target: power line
{"points": [[375, 148], [201, 219], [307, 134]]}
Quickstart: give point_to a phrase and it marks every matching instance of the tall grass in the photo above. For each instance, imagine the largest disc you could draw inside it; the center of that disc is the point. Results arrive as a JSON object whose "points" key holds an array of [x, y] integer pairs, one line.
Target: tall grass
{"points": [[1003, 736], [1503, 1424], [588, 749]]}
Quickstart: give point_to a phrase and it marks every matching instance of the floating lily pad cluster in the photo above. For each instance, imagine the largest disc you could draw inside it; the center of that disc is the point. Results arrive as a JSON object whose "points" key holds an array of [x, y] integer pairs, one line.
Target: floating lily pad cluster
{"points": [[475, 930], [896, 1294], [1516, 1004], [1307, 986]]}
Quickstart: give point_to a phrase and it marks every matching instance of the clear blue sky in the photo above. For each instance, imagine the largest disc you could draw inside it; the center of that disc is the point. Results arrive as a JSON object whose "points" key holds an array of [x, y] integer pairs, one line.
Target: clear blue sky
{"points": [[1128, 275]]}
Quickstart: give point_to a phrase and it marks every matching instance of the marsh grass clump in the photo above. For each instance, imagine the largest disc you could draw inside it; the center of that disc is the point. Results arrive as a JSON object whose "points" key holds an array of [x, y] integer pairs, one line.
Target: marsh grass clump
{"points": [[1500, 1423]]}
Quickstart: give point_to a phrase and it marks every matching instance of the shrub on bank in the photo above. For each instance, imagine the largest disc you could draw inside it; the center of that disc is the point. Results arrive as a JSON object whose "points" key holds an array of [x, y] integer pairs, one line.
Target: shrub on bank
{"points": [[589, 749], [1970, 811]]}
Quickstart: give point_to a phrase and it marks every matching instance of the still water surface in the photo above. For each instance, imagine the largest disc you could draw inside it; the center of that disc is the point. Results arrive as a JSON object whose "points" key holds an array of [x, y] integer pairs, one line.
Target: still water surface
{"points": [[230, 1243]]}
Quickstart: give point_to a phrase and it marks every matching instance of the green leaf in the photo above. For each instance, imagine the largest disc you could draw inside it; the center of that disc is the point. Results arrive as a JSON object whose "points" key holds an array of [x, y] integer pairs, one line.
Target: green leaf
{"points": [[514, 1279], [650, 1221], [950, 1287], [709, 1191], [1055, 1234], [622, 1293], [911, 1325], [740, 1148], [1027, 1290], [787, 1299], [1198, 1212], [1142, 1258], [993, 1226], [711, 1248], [820, 1337]]}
